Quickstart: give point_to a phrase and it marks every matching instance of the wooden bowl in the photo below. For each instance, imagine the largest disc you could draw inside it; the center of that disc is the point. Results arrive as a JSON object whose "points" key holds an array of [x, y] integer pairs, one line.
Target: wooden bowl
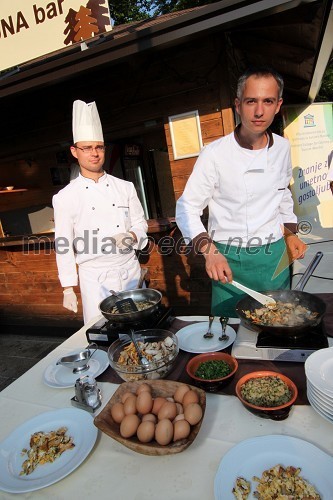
{"points": [[213, 384], [275, 412], [164, 388]]}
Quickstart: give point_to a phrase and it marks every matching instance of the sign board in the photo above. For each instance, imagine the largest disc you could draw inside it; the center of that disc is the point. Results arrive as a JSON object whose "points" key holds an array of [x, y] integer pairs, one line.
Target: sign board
{"points": [[310, 133], [32, 29]]}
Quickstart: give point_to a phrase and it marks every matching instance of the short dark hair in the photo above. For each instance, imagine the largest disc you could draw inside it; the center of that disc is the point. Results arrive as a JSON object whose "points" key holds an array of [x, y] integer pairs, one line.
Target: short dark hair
{"points": [[259, 71]]}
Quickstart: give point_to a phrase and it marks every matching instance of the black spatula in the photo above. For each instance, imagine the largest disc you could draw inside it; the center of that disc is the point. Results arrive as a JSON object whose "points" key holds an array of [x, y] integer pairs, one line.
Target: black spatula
{"points": [[124, 305]]}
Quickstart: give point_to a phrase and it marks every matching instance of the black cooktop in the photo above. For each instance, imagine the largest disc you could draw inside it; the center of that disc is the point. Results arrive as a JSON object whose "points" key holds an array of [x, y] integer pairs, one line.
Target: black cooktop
{"points": [[105, 332], [314, 338]]}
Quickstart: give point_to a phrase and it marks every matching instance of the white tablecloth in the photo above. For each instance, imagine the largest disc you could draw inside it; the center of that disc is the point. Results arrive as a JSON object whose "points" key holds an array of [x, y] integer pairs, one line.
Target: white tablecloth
{"points": [[112, 471]]}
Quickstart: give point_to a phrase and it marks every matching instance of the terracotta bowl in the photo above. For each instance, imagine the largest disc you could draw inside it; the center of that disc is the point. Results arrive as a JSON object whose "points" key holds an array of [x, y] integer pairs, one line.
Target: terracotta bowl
{"points": [[214, 384], [276, 412]]}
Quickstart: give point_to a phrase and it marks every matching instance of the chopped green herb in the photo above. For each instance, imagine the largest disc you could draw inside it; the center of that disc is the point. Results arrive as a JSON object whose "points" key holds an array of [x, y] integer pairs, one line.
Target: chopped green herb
{"points": [[210, 370]]}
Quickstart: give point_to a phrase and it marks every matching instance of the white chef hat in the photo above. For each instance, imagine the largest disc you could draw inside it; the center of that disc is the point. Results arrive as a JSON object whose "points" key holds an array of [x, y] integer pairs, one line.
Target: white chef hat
{"points": [[86, 122]]}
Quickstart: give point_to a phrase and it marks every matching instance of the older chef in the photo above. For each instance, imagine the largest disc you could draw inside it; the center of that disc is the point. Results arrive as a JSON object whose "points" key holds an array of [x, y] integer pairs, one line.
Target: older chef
{"points": [[99, 221], [243, 178]]}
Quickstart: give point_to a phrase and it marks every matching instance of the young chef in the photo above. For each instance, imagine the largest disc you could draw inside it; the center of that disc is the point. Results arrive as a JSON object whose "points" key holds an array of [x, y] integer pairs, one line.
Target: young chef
{"points": [[243, 179], [99, 221]]}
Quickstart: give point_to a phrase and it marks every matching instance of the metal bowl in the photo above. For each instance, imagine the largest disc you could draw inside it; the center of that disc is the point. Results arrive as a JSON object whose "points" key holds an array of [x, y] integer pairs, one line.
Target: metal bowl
{"points": [[156, 368]]}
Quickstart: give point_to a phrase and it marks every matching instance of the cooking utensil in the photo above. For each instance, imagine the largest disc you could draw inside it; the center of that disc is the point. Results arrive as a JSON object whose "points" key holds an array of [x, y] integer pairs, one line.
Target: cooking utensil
{"points": [[224, 321], [143, 273], [297, 297], [124, 305], [209, 334], [144, 294], [78, 361], [142, 359], [263, 299]]}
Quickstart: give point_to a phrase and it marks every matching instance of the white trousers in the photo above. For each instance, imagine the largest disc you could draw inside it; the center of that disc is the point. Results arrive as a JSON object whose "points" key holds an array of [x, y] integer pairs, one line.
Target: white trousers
{"points": [[97, 277]]}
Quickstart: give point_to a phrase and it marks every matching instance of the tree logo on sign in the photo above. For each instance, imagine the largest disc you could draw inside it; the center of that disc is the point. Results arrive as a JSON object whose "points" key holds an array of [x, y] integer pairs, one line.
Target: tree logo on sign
{"points": [[88, 21]]}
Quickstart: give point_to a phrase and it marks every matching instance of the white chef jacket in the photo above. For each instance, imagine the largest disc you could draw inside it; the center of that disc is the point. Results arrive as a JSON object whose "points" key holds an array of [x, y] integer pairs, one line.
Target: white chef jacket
{"points": [[87, 214], [245, 190]]}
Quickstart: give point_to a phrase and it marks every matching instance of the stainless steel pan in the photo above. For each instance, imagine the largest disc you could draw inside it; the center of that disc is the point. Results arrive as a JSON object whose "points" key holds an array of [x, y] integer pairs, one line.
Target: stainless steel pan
{"points": [[153, 296], [297, 297]]}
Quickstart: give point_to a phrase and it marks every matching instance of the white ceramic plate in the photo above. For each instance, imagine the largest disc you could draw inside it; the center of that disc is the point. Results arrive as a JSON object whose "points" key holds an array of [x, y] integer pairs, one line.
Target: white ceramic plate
{"points": [[322, 400], [319, 409], [190, 338], [60, 376], [319, 370], [80, 426], [251, 457]]}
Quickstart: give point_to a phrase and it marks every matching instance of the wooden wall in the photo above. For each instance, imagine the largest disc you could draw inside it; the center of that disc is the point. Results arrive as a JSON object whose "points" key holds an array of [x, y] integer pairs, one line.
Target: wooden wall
{"points": [[153, 87]]}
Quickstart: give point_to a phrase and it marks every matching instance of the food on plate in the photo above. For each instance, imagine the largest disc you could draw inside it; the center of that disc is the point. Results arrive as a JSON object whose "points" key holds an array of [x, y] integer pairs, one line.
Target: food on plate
{"points": [[140, 305], [242, 489], [156, 418], [211, 370], [282, 314], [266, 392], [45, 447], [284, 482]]}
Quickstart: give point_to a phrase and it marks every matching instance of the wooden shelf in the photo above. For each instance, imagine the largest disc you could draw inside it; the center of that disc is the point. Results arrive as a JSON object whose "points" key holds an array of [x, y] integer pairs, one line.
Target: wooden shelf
{"points": [[2, 191]]}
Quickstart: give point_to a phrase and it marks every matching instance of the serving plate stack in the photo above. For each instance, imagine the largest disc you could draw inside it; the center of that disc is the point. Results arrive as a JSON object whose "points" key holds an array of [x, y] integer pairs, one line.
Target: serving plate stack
{"points": [[319, 382]]}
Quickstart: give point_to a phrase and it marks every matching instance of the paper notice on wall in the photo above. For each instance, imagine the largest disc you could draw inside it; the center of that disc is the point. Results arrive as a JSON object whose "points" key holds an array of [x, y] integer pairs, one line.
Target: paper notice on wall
{"points": [[42, 221], [310, 133]]}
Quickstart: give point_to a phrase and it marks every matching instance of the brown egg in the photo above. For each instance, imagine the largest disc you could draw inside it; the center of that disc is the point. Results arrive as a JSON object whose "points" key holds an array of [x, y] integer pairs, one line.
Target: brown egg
{"points": [[178, 417], [158, 402], [180, 392], [129, 425], [164, 432], [181, 430], [144, 402], [149, 417], [190, 397], [167, 410], [126, 395], [180, 408], [117, 412], [130, 405], [193, 413], [146, 431], [143, 388]]}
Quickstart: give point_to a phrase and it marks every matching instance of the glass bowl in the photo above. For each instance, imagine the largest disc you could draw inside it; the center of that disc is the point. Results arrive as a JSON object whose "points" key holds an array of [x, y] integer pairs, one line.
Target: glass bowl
{"points": [[161, 352], [211, 385], [273, 412]]}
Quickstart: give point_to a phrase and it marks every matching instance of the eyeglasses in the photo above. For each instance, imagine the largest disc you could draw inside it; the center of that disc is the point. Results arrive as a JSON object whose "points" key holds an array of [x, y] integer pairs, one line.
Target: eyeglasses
{"points": [[89, 149]]}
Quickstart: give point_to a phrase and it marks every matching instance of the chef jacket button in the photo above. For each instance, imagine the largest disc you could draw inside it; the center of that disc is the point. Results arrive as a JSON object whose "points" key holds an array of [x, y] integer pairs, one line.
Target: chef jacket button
{"points": [[86, 187], [93, 208], [107, 185], [113, 204], [98, 229], [117, 225]]}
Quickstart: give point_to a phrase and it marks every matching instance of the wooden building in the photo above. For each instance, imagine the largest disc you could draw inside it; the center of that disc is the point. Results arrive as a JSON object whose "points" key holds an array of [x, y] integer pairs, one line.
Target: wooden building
{"points": [[139, 75]]}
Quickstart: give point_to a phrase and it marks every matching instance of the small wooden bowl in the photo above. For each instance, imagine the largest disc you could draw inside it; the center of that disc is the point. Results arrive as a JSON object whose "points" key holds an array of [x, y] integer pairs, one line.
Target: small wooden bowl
{"points": [[275, 412], [217, 383], [164, 388]]}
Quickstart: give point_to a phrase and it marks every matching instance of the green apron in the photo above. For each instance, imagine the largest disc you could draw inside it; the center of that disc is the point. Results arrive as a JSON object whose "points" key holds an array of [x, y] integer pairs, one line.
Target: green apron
{"points": [[254, 267]]}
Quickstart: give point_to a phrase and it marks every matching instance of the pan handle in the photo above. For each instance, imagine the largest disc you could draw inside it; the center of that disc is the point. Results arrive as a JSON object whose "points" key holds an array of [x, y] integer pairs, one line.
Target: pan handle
{"points": [[308, 271]]}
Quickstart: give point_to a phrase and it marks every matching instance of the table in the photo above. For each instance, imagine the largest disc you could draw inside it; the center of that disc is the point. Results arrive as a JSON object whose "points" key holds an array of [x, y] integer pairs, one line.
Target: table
{"points": [[113, 471]]}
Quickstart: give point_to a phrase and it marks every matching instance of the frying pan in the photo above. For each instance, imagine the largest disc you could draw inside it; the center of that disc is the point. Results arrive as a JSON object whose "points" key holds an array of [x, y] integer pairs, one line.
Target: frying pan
{"points": [[153, 296], [297, 297]]}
